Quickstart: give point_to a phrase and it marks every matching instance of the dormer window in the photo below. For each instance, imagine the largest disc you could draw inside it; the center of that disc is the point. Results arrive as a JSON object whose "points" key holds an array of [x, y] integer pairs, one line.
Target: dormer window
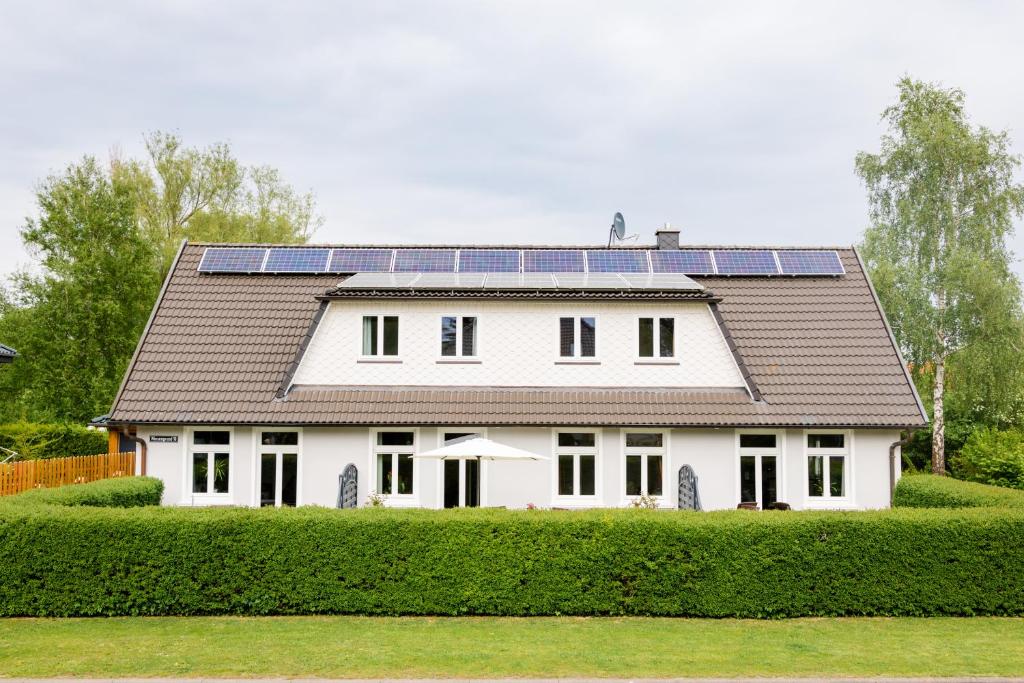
{"points": [[657, 337], [380, 335]]}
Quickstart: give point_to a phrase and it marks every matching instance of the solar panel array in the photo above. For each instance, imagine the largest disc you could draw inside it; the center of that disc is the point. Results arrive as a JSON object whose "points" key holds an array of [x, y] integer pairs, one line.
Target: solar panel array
{"points": [[727, 262]]}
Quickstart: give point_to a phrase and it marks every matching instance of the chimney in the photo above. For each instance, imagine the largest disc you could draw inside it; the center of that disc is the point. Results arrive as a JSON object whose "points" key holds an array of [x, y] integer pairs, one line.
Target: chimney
{"points": [[667, 237]]}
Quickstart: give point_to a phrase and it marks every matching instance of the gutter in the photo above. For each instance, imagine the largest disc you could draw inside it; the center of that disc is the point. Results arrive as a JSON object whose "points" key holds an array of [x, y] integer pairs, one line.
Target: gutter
{"points": [[142, 448], [892, 463]]}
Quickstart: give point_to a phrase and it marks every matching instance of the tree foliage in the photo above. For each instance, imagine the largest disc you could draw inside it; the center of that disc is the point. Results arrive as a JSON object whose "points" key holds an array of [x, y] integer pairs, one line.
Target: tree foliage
{"points": [[103, 241], [943, 199]]}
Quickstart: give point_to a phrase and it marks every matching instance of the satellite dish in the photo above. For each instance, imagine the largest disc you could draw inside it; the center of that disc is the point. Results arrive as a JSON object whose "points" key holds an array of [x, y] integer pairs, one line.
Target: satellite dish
{"points": [[619, 226]]}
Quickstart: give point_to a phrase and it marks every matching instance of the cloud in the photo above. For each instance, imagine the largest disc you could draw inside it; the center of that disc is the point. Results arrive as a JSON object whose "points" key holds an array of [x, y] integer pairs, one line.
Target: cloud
{"points": [[504, 122]]}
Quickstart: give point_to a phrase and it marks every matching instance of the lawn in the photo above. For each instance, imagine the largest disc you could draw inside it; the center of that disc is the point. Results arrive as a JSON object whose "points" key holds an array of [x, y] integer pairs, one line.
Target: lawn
{"points": [[417, 647]]}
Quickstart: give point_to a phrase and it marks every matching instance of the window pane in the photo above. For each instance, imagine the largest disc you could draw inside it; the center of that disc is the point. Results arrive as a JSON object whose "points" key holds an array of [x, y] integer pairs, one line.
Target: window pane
{"points": [[208, 438], [448, 330], [220, 472], [654, 475], [369, 335], [384, 478], [394, 438], [826, 440], [451, 483], [757, 441], [565, 475], [268, 479], [576, 439], [469, 336], [280, 438], [588, 337], [769, 481], [748, 479], [450, 436], [587, 475], [666, 338], [835, 476], [643, 440], [404, 473], [815, 476], [646, 337], [199, 472], [472, 483], [289, 479], [391, 335], [566, 346], [633, 469]]}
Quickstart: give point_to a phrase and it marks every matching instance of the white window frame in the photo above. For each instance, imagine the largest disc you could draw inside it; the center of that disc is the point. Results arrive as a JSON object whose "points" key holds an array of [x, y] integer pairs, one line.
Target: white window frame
{"points": [[847, 451], [259, 449], [657, 359], [576, 336], [458, 357], [380, 357], [577, 500], [666, 443], [482, 431], [780, 465], [396, 499], [189, 448]]}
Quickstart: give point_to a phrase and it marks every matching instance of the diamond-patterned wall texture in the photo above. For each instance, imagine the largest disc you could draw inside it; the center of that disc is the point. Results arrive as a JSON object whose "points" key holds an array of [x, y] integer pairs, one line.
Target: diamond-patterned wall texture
{"points": [[518, 347]]}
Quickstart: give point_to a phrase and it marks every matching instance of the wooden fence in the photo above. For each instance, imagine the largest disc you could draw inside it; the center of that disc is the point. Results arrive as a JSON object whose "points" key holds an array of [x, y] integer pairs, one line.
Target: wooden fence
{"points": [[23, 475]]}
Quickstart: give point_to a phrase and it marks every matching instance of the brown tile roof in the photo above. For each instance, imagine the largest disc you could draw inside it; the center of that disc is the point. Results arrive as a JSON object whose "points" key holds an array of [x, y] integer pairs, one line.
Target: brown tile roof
{"points": [[219, 346]]}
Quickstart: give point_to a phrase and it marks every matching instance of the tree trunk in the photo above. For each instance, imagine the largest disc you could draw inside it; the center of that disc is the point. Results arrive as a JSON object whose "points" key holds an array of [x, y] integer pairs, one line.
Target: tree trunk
{"points": [[938, 418]]}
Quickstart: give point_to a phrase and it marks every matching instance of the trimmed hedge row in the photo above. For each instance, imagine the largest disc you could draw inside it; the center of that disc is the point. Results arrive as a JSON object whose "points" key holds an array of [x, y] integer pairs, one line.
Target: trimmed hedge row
{"points": [[34, 440], [932, 491], [123, 492], [168, 561]]}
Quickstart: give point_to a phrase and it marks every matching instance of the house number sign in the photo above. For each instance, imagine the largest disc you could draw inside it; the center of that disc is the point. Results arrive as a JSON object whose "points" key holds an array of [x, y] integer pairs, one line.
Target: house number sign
{"points": [[154, 438]]}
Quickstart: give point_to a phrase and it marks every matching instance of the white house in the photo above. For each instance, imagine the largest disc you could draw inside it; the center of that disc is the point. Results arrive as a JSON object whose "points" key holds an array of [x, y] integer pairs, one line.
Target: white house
{"points": [[265, 371]]}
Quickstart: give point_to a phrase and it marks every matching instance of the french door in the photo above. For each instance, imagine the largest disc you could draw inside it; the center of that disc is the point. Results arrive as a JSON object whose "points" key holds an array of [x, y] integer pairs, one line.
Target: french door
{"points": [[461, 478]]}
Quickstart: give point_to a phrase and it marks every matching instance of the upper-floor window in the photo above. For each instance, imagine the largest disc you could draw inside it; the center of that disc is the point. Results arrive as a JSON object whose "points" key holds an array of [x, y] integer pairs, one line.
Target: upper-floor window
{"points": [[577, 337], [458, 336], [657, 337], [827, 464], [380, 335]]}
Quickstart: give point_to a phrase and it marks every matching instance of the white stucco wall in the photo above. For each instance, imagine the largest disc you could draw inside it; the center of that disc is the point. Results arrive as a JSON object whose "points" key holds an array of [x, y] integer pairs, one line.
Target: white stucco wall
{"points": [[713, 454], [518, 346]]}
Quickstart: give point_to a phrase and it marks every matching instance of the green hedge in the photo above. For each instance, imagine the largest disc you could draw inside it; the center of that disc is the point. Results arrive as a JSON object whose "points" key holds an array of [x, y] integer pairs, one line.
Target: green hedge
{"points": [[932, 491], [174, 561], [33, 440], [122, 492]]}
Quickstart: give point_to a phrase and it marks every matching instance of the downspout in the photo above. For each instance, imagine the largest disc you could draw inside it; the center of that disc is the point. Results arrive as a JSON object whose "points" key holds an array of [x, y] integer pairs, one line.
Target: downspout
{"points": [[142, 448], [892, 464]]}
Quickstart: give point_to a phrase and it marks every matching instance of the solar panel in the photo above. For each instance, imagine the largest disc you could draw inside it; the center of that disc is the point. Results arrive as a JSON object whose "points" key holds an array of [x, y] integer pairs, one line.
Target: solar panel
{"points": [[303, 260], [450, 281], [805, 262], [232, 260], [360, 260], [489, 261], [690, 261], [745, 262], [662, 281], [617, 261], [424, 261], [379, 281], [519, 281], [552, 261]]}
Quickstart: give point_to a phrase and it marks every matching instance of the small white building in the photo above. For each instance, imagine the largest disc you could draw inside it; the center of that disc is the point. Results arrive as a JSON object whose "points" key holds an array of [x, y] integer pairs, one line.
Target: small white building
{"points": [[268, 372]]}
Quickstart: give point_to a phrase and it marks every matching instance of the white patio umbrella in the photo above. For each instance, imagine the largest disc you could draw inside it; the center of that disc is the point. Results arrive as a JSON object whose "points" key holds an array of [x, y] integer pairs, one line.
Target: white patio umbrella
{"points": [[478, 448]]}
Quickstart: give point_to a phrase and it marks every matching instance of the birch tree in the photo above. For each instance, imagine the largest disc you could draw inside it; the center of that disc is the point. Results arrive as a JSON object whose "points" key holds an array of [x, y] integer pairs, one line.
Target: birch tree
{"points": [[943, 199]]}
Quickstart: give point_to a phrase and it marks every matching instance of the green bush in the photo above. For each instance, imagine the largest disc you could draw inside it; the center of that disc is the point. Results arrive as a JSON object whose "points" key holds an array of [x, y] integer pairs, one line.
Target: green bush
{"points": [[993, 456], [175, 561], [122, 492], [931, 491], [33, 440]]}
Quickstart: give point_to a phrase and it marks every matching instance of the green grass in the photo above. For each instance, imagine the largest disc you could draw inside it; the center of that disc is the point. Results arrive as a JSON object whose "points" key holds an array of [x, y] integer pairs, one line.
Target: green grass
{"points": [[419, 647]]}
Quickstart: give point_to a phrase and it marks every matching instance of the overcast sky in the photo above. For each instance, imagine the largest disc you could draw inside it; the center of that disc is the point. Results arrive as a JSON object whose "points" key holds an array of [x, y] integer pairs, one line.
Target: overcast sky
{"points": [[509, 121]]}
